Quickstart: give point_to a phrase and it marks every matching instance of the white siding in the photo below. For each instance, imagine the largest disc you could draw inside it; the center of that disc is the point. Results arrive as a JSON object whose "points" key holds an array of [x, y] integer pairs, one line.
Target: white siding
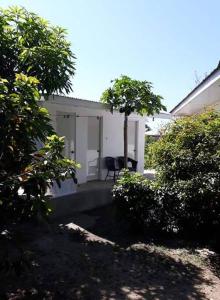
{"points": [[111, 131]]}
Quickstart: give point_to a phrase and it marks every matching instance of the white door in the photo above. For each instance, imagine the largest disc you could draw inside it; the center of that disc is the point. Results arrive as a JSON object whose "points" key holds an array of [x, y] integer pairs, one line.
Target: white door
{"points": [[66, 126], [93, 148], [132, 139]]}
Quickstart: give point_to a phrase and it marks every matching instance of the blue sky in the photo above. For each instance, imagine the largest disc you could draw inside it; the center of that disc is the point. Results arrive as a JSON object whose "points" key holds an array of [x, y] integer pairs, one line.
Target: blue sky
{"points": [[164, 42]]}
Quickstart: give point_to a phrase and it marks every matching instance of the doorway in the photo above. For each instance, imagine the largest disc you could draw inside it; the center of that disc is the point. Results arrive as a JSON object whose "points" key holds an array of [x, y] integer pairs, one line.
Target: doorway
{"points": [[132, 139], [93, 148], [66, 126]]}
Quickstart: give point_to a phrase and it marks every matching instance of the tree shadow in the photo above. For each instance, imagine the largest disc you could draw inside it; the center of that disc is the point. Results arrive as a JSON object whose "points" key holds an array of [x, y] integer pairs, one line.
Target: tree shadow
{"points": [[119, 273], [74, 263], [110, 226], [214, 262]]}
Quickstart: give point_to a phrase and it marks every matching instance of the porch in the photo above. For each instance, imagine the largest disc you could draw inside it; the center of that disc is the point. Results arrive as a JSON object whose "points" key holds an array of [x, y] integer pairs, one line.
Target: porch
{"points": [[87, 196], [92, 133]]}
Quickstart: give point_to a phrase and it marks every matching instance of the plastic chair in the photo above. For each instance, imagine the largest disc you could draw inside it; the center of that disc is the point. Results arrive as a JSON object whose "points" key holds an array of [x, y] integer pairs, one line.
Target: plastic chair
{"points": [[110, 163], [121, 164]]}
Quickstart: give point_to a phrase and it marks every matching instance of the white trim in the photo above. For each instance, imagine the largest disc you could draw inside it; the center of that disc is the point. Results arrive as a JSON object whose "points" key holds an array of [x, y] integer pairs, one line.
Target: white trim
{"points": [[199, 91]]}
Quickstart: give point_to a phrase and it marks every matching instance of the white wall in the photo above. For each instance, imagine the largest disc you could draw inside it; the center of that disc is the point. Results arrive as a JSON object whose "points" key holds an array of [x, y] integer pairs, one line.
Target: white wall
{"points": [[111, 131], [217, 107]]}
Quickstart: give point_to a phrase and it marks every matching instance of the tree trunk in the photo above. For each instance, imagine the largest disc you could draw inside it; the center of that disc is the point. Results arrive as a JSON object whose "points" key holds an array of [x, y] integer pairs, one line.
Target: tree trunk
{"points": [[126, 142]]}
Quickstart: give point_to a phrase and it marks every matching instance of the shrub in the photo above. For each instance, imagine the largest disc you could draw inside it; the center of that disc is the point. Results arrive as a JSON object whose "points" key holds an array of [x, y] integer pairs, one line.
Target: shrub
{"points": [[187, 159], [25, 172], [186, 196], [190, 147], [35, 59], [134, 198], [191, 207], [148, 141]]}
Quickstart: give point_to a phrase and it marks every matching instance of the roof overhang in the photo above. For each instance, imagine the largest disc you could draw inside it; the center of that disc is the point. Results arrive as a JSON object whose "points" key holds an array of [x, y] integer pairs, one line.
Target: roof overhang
{"points": [[206, 94], [162, 115]]}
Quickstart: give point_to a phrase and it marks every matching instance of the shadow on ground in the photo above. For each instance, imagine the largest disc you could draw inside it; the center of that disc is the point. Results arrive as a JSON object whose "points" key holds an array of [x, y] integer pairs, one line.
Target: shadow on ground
{"points": [[90, 256]]}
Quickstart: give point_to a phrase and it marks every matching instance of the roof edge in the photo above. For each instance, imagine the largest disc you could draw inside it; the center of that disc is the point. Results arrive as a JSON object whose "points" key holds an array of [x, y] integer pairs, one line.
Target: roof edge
{"points": [[197, 87]]}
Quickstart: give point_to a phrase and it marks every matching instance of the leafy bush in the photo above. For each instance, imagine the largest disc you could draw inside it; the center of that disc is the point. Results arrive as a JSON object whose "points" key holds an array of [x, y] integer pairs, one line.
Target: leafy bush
{"points": [[34, 57], [191, 207], [134, 200], [29, 44], [25, 172], [190, 147], [145, 204], [187, 159], [148, 141], [185, 198]]}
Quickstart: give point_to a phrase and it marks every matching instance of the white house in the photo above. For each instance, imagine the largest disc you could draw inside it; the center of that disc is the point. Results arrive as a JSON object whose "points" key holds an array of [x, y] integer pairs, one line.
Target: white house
{"points": [[92, 133], [206, 94], [156, 123]]}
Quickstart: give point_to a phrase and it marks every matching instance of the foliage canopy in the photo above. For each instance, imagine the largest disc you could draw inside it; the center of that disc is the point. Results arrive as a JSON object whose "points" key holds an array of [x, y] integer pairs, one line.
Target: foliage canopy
{"points": [[25, 171], [189, 148], [35, 58], [185, 197], [30, 45], [129, 95]]}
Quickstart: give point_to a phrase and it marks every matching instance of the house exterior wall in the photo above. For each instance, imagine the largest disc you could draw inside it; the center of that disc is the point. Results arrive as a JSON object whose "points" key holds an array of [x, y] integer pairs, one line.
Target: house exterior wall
{"points": [[217, 107], [111, 135]]}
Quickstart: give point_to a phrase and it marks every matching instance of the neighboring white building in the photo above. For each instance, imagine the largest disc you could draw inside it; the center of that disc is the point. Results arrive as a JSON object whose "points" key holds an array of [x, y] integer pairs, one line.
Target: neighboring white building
{"points": [[157, 123], [206, 94], [92, 133]]}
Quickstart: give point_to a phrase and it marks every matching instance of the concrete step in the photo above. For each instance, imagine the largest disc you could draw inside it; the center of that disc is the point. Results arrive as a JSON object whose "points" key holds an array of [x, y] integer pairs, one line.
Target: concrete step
{"points": [[83, 199]]}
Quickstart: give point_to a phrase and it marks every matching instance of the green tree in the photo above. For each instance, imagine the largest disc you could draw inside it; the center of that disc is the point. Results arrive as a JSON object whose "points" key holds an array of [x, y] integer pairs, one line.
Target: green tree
{"points": [[30, 45], [35, 58], [128, 95], [25, 172]]}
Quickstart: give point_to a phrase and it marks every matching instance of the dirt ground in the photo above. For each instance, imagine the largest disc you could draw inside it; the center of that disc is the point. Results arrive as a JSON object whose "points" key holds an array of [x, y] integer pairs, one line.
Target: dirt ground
{"points": [[93, 256]]}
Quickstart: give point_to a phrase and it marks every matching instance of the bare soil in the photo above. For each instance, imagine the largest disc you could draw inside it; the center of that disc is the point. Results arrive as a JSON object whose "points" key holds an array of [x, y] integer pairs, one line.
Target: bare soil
{"points": [[94, 256]]}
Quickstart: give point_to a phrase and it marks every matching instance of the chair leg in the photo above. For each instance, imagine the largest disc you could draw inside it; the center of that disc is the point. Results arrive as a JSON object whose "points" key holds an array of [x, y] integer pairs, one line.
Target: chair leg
{"points": [[106, 175], [114, 176]]}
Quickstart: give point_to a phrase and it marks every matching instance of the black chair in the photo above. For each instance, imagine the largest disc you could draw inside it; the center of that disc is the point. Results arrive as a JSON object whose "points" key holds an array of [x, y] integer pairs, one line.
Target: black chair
{"points": [[110, 163], [121, 164]]}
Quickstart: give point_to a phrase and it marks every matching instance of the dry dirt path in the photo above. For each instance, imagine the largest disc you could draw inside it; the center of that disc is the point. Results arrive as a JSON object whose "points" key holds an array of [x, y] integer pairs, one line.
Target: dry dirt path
{"points": [[91, 256]]}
